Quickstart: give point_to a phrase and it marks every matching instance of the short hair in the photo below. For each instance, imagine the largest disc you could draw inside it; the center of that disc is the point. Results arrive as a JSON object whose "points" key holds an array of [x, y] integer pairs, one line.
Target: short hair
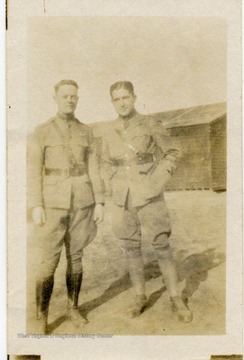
{"points": [[124, 85], [65, 82]]}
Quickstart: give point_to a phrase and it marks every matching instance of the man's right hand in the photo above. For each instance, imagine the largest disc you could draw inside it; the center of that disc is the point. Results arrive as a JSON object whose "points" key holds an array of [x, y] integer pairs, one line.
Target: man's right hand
{"points": [[38, 216]]}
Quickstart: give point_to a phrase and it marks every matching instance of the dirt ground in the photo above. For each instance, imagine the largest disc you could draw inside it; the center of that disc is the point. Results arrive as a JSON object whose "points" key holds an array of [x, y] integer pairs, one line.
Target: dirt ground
{"points": [[198, 239]]}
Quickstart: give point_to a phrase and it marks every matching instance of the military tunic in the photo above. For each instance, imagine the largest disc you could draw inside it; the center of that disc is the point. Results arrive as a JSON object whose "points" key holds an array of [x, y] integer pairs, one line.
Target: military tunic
{"points": [[138, 159], [64, 178]]}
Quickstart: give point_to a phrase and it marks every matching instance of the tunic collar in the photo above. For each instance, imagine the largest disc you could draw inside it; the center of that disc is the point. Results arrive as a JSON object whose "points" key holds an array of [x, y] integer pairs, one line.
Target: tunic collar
{"points": [[66, 117], [134, 121]]}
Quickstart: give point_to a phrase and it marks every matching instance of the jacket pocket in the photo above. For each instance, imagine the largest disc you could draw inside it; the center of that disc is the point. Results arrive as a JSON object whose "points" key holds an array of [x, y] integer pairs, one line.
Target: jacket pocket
{"points": [[50, 180], [79, 147]]}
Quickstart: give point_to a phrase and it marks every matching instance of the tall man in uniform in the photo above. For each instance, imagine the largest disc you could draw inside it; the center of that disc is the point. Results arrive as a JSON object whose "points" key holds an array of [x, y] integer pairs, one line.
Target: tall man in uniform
{"points": [[138, 159], [65, 195]]}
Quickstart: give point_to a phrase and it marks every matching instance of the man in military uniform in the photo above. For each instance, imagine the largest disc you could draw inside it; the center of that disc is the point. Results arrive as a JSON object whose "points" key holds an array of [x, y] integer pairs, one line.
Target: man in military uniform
{"points": [[138, 160], [65, 195]]}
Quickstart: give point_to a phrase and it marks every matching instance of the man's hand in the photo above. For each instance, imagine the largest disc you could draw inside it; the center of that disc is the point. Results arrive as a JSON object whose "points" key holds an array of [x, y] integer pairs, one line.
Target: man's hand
{"points": [[98, 213], [38, 216]]}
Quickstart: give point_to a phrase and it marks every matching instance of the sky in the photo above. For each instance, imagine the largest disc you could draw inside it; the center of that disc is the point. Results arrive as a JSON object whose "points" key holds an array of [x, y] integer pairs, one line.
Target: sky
{"points": [[173, 62]]}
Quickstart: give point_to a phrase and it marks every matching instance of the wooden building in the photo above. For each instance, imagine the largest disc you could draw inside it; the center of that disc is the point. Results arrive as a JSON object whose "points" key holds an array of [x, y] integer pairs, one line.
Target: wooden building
{"points": [[200, 133]]}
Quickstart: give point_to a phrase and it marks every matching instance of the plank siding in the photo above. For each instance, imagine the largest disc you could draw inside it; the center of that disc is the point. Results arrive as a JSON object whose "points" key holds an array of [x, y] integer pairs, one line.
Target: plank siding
{"points": [[218, 154], [194, 170]]}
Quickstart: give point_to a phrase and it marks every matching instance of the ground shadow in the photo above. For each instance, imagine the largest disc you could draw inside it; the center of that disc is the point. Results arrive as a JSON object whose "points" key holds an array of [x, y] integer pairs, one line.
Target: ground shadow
{"points": [[193, 269], [55, 324]]}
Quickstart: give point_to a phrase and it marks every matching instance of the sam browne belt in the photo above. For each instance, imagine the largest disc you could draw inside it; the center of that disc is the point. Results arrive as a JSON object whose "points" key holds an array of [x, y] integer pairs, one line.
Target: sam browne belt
{"points": [[138, 160]]}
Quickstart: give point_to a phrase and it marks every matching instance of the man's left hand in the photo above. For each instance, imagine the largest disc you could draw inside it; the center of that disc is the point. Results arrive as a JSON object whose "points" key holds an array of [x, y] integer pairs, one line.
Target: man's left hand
{"points": [[98, 213]]}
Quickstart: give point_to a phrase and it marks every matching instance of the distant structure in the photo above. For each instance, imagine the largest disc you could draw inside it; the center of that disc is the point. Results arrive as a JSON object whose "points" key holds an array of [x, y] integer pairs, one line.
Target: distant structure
{"points": [[200, 133]]}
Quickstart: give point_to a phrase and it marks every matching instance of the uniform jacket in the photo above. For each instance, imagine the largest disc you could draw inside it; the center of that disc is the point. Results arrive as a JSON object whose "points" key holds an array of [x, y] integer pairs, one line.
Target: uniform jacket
{"points": [[47, 150], [147, 180]]}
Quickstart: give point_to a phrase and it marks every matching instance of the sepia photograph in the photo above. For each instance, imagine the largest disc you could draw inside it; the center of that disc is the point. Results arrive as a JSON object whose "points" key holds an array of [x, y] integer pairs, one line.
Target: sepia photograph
{"points": [[126, 176], [124, 180]]}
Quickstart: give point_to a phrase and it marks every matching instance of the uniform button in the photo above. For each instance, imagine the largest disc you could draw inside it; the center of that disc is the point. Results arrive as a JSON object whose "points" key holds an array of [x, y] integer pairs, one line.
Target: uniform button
{"points": [[127, 167]]}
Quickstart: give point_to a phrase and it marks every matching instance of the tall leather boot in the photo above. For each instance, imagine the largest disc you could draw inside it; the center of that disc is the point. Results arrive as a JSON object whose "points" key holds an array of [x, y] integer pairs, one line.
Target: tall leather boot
{"points": [[167, 267], [73, 282], [136, 271], [44, 290]]}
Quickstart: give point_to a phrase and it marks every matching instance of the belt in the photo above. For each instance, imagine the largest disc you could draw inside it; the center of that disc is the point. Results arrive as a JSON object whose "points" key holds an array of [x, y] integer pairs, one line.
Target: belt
{"points": [[138, 160], [76, 171]]}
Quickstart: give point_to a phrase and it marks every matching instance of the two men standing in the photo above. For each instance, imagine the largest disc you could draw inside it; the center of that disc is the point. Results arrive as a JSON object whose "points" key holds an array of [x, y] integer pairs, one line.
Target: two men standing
{"points": [[66, 195]]}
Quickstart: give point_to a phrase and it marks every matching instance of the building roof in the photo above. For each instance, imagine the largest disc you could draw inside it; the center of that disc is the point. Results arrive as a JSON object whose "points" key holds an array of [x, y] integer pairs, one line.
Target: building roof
{"points": [[202, 114]]}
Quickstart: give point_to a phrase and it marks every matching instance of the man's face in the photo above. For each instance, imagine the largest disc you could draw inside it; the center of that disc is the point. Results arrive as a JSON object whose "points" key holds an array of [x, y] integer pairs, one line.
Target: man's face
{"points": [[123, 101], [66, 99]]}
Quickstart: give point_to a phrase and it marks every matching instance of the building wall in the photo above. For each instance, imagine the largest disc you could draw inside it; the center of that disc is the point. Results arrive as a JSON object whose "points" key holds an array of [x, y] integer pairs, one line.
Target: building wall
{"points": [[218, 153], [194, 171]]}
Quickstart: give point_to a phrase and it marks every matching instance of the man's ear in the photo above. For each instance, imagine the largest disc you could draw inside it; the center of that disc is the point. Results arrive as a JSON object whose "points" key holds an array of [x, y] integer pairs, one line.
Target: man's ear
{"points": [[55, 99], [135, 97]]}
